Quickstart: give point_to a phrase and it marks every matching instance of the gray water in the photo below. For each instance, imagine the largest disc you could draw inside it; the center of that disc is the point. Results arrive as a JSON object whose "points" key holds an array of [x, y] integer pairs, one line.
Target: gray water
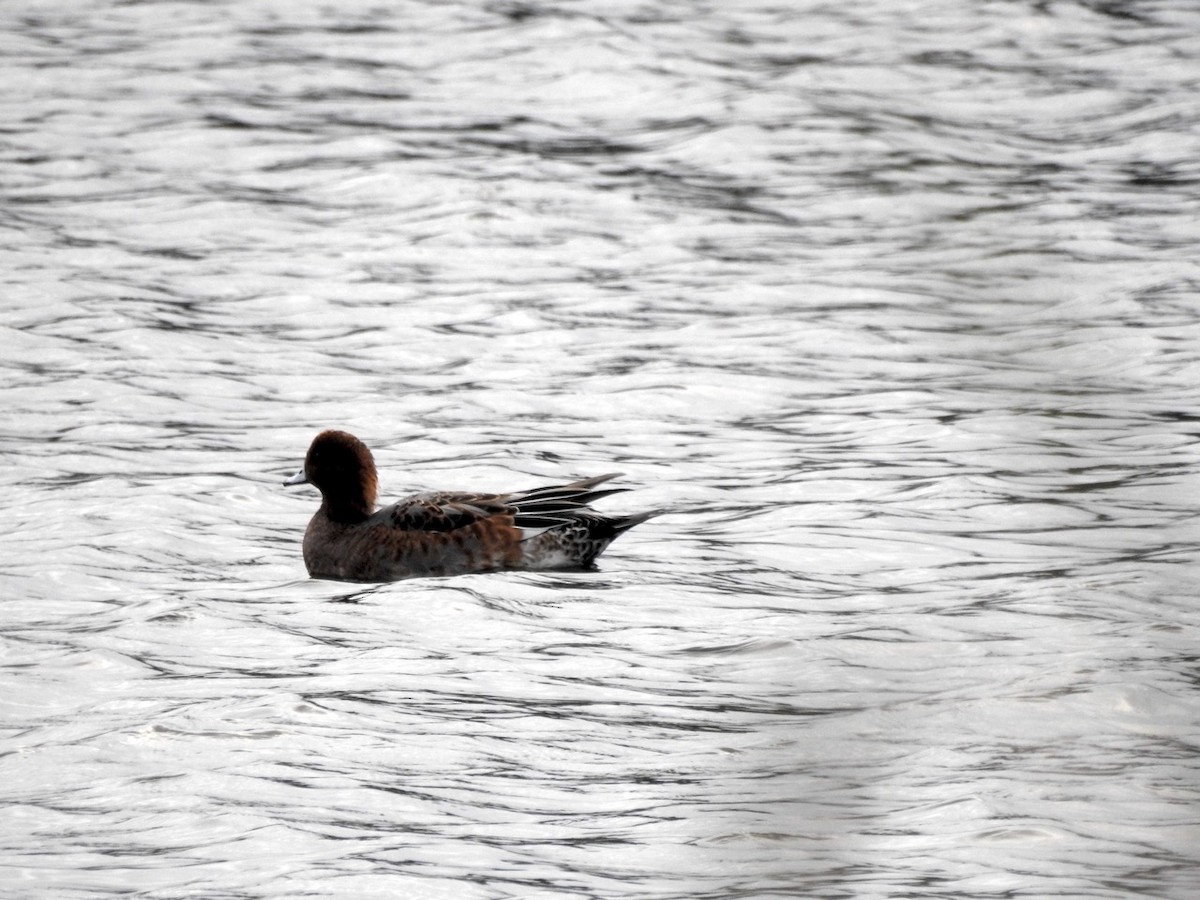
{"points": [[892, 306]]}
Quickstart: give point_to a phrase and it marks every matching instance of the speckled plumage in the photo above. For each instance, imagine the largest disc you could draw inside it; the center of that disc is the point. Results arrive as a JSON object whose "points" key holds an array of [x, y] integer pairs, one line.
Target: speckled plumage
{"points": [[444, 533]]}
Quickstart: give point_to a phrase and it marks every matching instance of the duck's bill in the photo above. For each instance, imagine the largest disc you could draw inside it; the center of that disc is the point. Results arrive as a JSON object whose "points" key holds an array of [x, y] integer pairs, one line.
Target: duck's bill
{"points": [[298, 478]]}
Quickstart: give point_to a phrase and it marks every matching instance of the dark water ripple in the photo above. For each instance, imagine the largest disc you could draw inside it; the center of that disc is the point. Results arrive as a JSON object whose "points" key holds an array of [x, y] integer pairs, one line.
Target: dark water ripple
{"points": [[892, 306]]}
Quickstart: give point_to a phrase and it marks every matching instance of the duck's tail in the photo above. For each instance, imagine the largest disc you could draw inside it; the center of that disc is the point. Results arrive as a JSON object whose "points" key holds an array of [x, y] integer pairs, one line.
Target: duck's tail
{"points": [[561, 530]]}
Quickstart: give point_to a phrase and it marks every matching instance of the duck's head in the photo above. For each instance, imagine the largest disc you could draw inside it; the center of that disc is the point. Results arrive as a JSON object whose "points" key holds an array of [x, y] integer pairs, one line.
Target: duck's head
{"points": [[341, 467]]}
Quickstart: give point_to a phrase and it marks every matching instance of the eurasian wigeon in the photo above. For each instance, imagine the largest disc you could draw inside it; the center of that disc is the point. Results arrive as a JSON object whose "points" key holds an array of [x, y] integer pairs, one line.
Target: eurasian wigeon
{"points": [[443, 533]]}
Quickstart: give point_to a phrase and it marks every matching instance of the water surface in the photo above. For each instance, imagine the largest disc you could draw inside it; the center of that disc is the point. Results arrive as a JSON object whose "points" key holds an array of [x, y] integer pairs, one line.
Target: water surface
{"points": [[892, 306]]}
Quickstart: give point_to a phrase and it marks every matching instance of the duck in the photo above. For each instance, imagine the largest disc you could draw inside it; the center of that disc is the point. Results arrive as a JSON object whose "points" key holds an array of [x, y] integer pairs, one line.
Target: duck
{"points": [[445, 532]]}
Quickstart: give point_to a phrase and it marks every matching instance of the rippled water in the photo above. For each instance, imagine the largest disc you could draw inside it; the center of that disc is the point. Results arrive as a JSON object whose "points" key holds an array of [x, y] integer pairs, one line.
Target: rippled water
{"points": [[893, 305]]}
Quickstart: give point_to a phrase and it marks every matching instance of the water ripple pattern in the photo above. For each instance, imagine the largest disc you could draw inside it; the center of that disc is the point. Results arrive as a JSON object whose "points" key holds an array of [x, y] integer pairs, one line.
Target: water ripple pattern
{"points": [[891, 306]]}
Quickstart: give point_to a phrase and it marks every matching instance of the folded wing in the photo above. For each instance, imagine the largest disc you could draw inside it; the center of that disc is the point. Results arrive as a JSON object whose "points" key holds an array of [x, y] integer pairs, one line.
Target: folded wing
{"points": [[538, 509]]}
